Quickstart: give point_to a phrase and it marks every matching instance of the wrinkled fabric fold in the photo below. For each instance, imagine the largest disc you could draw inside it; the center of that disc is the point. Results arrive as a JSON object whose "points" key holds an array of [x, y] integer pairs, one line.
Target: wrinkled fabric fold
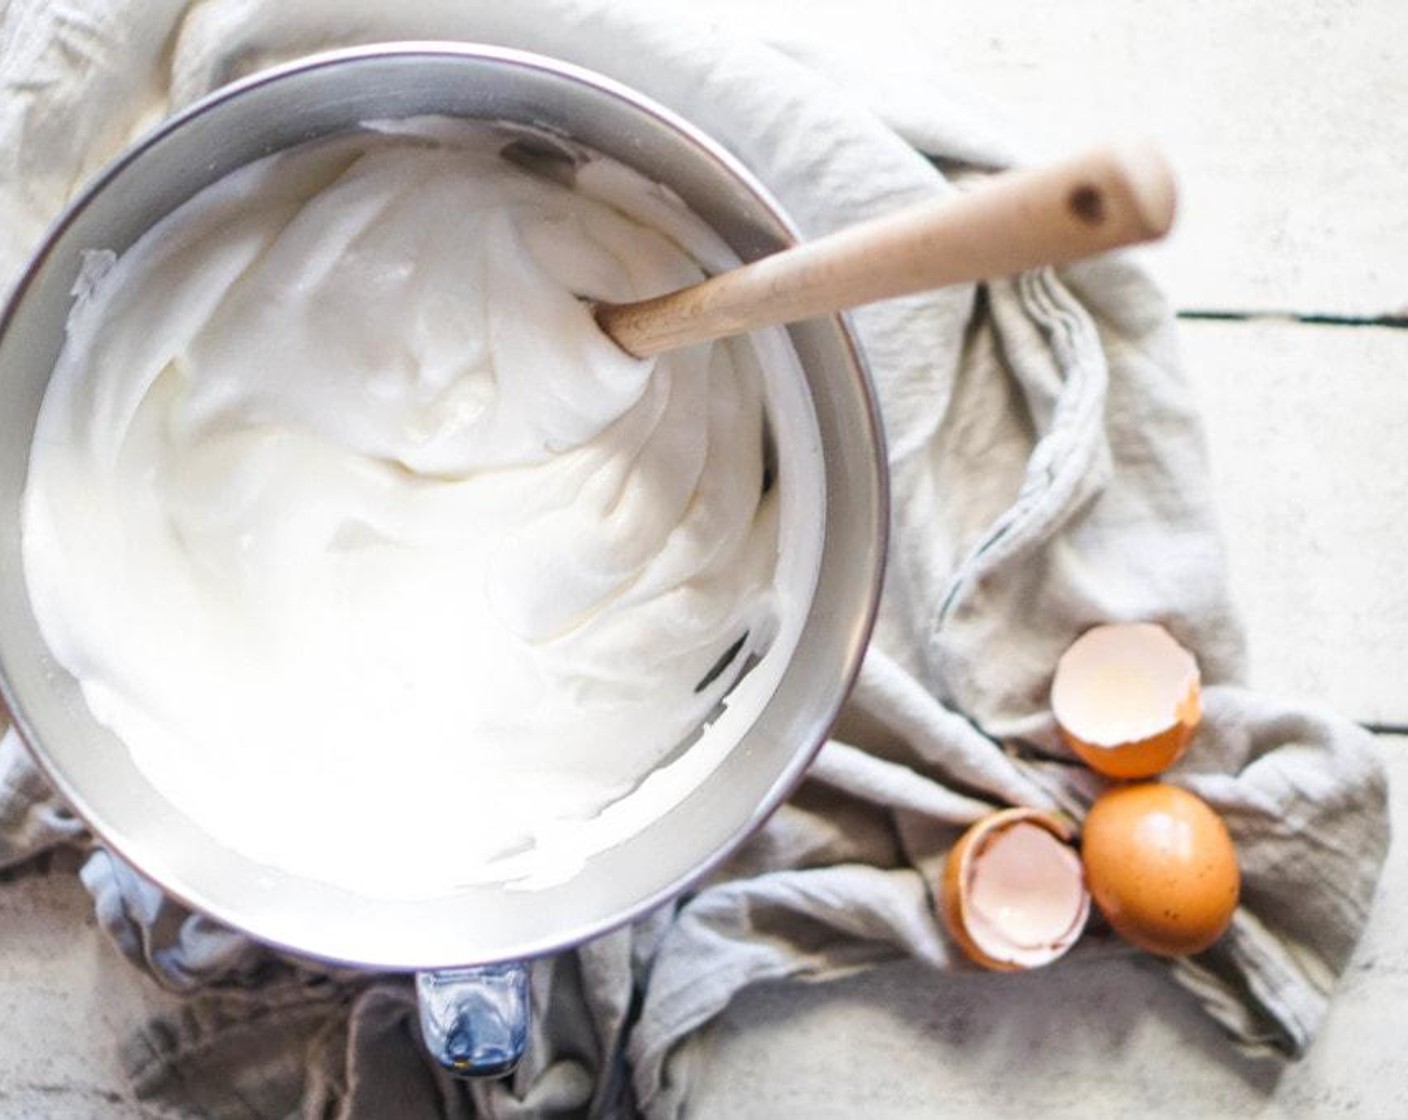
{"points": [[1048, 473]]}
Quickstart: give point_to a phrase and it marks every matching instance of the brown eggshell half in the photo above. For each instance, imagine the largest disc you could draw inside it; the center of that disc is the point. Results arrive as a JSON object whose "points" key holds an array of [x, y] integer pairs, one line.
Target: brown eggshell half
{"points": [[1161, 866], [957, 914], [1127, 699]]}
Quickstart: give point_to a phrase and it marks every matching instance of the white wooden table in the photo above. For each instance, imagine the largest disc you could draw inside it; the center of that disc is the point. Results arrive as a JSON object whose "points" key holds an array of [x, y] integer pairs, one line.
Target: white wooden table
{"points": [[1288, 122]]}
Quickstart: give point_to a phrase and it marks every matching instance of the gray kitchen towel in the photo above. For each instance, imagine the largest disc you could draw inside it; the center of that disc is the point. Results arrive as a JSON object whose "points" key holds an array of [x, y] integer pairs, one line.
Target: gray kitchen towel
{"points": [[1048, 474]]}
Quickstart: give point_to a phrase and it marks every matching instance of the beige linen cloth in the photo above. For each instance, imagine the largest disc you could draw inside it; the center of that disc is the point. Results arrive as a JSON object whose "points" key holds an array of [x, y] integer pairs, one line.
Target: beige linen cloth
{"points": [[1048, 474]]}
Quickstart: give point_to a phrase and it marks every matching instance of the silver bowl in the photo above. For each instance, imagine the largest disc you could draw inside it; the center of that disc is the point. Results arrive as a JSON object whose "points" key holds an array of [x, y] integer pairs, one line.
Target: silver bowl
{"points": [[481, 925]]}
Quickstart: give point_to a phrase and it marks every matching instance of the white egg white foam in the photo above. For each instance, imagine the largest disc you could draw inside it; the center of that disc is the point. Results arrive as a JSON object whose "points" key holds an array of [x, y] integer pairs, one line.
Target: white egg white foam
{"points": [[389, 569]]}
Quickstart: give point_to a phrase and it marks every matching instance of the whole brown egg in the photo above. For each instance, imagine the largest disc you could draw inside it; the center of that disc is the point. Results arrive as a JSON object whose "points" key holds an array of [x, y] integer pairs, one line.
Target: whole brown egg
{"points": [[1161, 866]]}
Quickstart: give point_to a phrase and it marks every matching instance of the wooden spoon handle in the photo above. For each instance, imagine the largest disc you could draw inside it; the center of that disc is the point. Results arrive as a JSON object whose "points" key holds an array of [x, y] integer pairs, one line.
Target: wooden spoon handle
{"points": [[1016, 221]]}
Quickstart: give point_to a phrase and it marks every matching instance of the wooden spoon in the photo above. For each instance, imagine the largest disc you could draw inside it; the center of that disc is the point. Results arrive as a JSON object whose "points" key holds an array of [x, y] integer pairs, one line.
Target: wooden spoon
{"points": [[1016, 221]]}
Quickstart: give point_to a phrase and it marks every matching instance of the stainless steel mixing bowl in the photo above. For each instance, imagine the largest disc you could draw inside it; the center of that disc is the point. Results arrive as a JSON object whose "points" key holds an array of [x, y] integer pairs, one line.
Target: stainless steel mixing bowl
{"points": [[479, 925]]}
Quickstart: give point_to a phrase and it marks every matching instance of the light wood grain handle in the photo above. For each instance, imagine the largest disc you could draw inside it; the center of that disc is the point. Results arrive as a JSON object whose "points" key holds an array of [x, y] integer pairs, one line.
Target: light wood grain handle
{"points": [[1017, 221]]}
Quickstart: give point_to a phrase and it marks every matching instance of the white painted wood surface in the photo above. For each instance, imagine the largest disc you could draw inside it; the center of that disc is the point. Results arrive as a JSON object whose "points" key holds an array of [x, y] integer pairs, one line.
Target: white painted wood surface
{"points": [[1308, 434], [1289, 124], [1285, 119]]}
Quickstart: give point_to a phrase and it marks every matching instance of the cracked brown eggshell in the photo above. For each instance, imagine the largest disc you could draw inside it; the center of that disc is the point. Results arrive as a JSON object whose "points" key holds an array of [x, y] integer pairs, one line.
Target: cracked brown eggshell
{"points": [[1013, 894], [1127, 699]]}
